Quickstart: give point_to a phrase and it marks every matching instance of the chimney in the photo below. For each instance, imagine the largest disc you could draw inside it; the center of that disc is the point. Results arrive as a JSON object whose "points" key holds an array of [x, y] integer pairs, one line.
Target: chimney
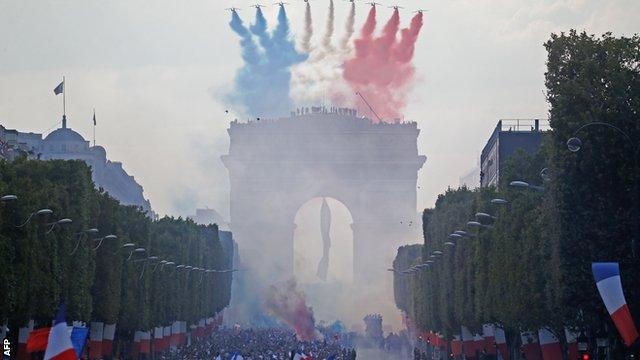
{"points": [[536, 125]]}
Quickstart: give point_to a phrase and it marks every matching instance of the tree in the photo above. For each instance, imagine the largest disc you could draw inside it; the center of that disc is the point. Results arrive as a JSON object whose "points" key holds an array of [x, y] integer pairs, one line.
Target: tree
{"points": [[533, 267], [592, 79], [50, 263]]}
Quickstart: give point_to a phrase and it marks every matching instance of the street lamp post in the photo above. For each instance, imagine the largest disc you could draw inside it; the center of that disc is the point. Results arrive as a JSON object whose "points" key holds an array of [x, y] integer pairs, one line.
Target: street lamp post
{"points": [[41, 212], [53, 224], [5, 198], [144, 266], [574, 144], [525, 185], [100, 240], [136, 251], [80, 236], [126, 246]]}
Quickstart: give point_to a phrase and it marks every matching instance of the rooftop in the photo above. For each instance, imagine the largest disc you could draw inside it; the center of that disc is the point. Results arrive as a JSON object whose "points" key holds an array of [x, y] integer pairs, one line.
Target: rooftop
{"points": [[64, 134], [525, 125]]}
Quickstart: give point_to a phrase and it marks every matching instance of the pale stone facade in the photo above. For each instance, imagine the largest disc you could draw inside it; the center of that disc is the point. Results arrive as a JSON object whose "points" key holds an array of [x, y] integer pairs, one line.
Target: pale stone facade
{"points": [[66, 144]]}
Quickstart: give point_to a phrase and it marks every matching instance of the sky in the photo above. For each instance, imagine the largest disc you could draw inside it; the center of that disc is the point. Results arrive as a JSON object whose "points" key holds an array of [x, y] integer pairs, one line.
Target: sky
{"points": [[157, 72]]}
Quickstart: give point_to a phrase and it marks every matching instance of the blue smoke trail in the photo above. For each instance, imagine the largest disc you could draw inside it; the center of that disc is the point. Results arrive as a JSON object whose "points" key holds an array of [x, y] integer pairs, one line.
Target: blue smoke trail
{"points": [[250, 52], [259, 28], [262, 85]]}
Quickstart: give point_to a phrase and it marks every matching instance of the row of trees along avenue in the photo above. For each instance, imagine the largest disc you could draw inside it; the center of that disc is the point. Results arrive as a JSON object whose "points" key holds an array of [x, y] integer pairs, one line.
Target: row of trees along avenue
{"points": [[532, 269], [44, 264]]}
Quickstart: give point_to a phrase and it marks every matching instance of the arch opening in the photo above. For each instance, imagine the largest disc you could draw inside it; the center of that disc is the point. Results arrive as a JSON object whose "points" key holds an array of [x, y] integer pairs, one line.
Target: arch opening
{"points": [[323, 242]]}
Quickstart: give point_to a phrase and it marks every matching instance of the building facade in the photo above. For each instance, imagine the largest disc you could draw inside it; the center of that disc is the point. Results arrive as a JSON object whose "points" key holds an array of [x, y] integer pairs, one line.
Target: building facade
{"points": [[66, 144], [508, 137]]}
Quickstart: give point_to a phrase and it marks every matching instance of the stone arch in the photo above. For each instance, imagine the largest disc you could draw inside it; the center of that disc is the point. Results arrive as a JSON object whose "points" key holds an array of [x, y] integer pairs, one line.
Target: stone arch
{"points": [[275, 166]]}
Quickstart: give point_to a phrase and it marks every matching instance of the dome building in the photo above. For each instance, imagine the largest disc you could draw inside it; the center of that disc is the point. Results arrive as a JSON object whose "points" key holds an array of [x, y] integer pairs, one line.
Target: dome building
{"points": [[66, 144]]}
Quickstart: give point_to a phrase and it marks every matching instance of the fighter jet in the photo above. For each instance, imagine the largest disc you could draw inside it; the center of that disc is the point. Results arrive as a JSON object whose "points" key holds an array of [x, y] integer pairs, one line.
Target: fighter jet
{"points": [[232, 9], [374, 4], [258, 6], [420, 11], [396, 7], [281, 3]]}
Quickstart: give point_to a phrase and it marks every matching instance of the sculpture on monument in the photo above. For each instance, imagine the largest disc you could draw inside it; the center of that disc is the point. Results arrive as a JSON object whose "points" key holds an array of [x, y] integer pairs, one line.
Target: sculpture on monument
{"points": [[325, 227]]}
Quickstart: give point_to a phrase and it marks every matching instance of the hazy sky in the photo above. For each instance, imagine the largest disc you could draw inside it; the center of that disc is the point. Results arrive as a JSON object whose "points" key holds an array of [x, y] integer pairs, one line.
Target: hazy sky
{"points": [[156, 72]]}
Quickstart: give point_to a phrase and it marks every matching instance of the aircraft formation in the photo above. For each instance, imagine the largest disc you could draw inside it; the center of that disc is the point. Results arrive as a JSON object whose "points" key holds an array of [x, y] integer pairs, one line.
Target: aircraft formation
{"points": [[373, 4]]}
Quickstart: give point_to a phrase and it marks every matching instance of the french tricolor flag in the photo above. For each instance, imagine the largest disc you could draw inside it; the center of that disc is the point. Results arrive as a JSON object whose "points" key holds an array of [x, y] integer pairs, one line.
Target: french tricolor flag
{"points": [[549, 344], [607, 276], [489, 335], [501, 343], [572, 342], [530, 346], [456, 345], [468, 343], [59, 346]]}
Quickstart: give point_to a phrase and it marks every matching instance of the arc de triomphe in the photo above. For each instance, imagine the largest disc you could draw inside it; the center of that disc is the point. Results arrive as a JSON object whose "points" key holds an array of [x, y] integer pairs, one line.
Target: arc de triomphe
{"points": [[275, 166]]}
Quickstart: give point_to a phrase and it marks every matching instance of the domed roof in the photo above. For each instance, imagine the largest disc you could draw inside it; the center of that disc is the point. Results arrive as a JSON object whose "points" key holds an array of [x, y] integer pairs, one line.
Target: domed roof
{"points": [[64, 134], [99, 151]]}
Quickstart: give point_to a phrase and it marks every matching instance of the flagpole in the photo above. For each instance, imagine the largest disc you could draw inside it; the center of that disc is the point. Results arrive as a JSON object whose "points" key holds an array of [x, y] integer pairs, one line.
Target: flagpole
{"points": [[94, 127], [64, 104], [64, 93]]}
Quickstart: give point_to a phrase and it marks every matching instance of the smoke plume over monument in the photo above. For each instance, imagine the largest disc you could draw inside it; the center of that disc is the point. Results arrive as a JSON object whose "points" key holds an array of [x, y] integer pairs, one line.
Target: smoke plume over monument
{"points": [[277, 164], [262, 84], [381, 67]]}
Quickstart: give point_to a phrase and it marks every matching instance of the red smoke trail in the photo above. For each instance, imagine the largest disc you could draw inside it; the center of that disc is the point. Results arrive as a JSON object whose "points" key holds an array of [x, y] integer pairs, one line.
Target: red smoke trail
{"points": [[381, 68], [363, 44], [384, 43], [404, 50], [289, 305]]}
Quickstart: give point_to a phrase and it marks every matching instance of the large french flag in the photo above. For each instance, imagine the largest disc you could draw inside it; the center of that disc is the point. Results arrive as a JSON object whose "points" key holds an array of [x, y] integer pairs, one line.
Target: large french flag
{"points": [[175, 334], [108, 335], [549, 344], [468, 342], [530, 346], [200, 330], [166, 337], [478, 343], [95, 340], [489, 335], [572, 342], [145, 342], [501, 343], [456, 345], [607, 276], [157, 339], [59, 346]]}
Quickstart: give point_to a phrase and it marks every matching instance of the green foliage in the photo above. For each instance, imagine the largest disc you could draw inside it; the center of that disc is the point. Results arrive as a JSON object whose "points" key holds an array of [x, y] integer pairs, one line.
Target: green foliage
{"points": [[407, 256], [100, 285], [595, 195], [497, 275], [533, 267]]}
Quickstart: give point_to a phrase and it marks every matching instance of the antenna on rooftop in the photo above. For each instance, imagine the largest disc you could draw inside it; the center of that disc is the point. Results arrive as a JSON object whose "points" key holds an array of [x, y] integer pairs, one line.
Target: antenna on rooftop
{"points": [[370, 108]]}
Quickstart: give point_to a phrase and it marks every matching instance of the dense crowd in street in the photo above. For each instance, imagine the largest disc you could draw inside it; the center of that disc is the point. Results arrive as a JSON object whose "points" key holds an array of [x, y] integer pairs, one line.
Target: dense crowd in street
{"points": [[255, 344]]}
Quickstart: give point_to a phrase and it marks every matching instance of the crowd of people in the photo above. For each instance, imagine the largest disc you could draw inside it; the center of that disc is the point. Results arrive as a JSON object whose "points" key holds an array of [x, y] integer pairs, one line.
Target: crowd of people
{"points": [[256, 344]]}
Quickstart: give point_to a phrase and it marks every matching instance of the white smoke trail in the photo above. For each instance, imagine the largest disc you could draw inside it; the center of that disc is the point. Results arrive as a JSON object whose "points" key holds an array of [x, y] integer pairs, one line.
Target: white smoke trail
{"points": [[321, 75], [308, 30], [326, 41], [349, 29]]}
